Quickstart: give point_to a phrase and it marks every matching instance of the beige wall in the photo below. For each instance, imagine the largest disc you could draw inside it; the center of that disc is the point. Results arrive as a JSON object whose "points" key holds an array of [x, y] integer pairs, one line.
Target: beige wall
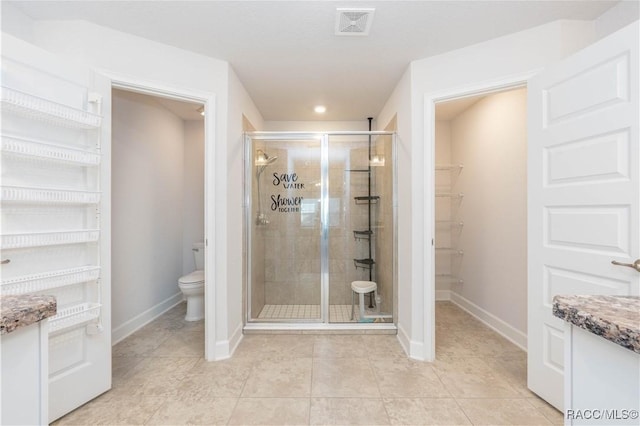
{"points": [[193, 219], [230, 204], [147, 200], [490, 139]]}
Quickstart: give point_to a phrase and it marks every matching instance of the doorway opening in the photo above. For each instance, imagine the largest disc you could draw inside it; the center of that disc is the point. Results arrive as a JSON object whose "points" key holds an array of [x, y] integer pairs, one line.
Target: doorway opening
{"points": [[480, 211], [158, 204]]}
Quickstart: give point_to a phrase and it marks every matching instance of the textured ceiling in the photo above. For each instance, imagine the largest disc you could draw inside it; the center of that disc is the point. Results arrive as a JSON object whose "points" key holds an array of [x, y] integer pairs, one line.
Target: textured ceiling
{"points": [[287, 55]]}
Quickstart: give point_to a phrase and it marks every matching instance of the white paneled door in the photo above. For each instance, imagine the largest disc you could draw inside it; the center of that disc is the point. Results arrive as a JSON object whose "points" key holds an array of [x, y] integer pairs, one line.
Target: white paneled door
{"points": [[584, 191], [55, 211]]}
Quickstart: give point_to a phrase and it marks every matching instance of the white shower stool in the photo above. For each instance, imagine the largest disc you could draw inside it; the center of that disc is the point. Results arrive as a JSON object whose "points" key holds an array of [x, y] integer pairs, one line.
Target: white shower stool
{"points": [[362, 287]]}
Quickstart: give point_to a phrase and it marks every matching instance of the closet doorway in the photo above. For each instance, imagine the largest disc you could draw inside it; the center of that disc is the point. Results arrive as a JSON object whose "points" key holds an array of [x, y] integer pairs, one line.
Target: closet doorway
{"points": [[480, 203]]}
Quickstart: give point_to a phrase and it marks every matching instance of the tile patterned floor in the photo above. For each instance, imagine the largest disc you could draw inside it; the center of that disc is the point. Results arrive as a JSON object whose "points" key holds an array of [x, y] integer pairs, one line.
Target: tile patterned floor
{"points": [[160, 378], [337, 313]]}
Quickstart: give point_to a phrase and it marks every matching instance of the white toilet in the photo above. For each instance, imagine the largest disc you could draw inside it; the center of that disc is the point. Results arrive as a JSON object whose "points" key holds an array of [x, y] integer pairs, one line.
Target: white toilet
{"points": [[192, 286]]}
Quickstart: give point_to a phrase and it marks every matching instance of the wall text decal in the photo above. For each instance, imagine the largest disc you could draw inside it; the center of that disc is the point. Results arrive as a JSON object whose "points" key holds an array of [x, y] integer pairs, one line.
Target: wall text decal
{"points": [[289, 181], [286, 204]]}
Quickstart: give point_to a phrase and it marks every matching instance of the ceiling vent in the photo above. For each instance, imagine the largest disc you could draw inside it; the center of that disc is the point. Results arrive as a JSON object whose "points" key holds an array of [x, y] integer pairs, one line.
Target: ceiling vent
{"points": [[354, 21]]}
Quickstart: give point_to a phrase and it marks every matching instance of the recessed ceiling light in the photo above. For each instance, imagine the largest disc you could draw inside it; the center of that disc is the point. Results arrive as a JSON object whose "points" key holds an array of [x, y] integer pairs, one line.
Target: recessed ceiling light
{"points": [[320, 109]]}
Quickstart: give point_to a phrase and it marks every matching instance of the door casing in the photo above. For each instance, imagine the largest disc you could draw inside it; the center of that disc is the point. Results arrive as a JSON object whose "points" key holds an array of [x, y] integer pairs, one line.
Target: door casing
{"points": [[211, 350], [430, 101]]}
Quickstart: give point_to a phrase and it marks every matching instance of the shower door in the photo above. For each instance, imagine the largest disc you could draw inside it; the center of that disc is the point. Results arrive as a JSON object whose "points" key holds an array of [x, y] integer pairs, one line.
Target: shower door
{"points": [[320, 214], [361, 224], [284, 191]]}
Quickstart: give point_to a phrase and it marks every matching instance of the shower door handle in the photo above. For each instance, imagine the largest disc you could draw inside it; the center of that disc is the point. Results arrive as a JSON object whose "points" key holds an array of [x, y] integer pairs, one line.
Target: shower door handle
{"points": [[635, 265]]}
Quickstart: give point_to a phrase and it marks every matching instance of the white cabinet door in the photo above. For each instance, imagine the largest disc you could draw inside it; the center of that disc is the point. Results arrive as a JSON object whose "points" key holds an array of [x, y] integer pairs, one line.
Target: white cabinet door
{"points": [[583, 191], [55, 211]]}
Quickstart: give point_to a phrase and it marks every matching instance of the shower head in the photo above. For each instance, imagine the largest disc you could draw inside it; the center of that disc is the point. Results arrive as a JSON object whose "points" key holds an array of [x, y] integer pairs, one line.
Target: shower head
{"points": [[263, 160], [271, 159]]}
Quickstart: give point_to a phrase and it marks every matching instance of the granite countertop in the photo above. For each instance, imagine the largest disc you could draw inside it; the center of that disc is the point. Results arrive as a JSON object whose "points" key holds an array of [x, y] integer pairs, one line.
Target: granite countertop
{"points": [[616, 318], [23, 310]]}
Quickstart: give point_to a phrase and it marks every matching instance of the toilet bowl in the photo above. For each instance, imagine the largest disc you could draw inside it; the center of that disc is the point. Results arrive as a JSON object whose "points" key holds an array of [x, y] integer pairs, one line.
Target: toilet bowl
{"points": [[192, 286]]}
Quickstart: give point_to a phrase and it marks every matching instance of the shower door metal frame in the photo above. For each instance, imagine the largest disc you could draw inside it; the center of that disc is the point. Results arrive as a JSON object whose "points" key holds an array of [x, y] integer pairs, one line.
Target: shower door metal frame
{"points": [[324, 321]]}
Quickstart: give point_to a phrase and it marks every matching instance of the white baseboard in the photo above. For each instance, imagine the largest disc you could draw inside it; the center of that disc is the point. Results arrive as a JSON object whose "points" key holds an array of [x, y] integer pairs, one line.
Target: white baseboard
{"points": [[510, 333], [224, 349], [121, 332], [236, 338], [443, 294], [221, 351], [404, 340], [414, 349]]}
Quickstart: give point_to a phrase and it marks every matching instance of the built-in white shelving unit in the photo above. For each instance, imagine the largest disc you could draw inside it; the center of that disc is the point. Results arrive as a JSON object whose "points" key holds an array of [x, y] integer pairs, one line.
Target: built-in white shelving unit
{"points": [[451, 195], [449, 278], [48, 195], [448, 226], [41, 239], [449, 223], [74, 316], [49, 280], [449, 250], [37, 108], [449, 167], [25, 147], [75, 155]]}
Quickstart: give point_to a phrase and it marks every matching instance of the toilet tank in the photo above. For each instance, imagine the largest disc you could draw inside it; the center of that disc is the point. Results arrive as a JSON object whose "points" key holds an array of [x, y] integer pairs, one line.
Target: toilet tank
{"points": [[198, 255]]}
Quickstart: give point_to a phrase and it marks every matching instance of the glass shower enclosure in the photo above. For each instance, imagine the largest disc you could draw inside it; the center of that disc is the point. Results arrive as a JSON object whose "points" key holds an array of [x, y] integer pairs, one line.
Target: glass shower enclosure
{"points": [[320, 215]]}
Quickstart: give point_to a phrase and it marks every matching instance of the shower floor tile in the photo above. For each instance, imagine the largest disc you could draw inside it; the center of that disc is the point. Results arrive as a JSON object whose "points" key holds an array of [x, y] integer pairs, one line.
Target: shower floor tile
{"points": [[337, 313], [342, 313], [290, 312]]}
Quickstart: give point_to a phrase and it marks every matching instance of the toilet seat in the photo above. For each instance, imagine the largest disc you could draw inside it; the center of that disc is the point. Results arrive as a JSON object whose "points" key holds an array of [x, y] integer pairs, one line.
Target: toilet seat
{"points": [[194, 278]]}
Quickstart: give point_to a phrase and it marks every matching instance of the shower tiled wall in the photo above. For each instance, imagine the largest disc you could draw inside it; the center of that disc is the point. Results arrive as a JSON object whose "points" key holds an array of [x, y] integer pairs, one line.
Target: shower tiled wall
{"points": [[292, 238]]}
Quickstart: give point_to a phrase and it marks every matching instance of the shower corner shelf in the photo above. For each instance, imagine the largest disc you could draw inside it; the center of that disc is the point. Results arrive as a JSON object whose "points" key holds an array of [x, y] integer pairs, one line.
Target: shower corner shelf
{"points": [[47, 111], [358, 170], [363, 235], [367, 199], [364, 263]]}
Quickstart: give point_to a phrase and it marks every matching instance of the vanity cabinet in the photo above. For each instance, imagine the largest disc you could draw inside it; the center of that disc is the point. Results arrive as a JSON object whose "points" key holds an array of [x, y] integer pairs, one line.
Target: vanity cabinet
{"points": [[601, 359], [24, 346]]}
